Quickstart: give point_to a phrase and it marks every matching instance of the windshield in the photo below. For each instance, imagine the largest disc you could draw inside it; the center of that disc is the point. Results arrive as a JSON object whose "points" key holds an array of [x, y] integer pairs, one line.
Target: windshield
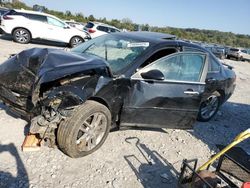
{"points": [[118, 51]]}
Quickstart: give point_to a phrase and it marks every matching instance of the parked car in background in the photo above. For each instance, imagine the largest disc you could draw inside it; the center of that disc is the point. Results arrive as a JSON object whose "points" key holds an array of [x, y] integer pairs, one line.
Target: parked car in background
{"points": [[3, 10], [97, 29], [76, 25], [25, 25], [142, 79], [239, 54], [226, 50], [218, 51]]}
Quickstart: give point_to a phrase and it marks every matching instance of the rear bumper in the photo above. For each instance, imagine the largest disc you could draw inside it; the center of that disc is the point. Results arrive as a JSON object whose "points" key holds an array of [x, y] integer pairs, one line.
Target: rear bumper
{"points": [[229, 93], [1, 31], [233, 55], [5, 30]]}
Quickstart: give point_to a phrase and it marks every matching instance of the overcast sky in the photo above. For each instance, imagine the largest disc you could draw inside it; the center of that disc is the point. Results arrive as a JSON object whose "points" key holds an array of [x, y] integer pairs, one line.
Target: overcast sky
{"points": [[224, 15]]}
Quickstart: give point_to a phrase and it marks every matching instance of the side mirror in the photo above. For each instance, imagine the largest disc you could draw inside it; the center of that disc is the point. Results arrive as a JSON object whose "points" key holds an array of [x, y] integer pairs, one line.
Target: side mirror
{"points": [[153, 75]]}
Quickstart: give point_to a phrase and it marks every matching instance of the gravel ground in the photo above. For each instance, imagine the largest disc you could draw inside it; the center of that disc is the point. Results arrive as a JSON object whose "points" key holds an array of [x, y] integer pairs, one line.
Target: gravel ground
{"points": [[119, 163]]}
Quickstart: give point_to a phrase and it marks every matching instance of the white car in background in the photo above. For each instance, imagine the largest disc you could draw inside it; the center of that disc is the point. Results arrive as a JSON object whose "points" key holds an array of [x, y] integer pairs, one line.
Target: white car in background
{"points": [[97, 29], [76, 25], [239, 54], [25, 25]]}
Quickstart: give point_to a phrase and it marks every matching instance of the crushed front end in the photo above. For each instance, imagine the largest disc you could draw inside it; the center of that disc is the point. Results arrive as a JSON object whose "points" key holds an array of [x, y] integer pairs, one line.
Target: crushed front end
{"points": [[46, 85]]}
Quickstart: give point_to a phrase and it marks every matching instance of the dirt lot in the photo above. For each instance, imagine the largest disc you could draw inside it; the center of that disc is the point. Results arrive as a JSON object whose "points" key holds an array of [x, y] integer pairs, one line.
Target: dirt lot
{"points": [[119, 163]]}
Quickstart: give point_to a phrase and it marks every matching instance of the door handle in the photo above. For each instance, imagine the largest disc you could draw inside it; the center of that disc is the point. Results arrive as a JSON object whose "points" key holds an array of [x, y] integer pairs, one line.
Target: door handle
{"points": [[188, 92]]}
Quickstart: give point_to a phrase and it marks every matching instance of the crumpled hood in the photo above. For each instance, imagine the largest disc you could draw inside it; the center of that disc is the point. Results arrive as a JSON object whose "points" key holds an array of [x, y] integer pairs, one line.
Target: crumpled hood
{"points": [[37, 65], [52, 64]]}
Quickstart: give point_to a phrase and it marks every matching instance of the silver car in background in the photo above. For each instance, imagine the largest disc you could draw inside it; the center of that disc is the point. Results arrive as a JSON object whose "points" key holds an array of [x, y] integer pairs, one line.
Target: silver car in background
{"points": [[239, 54]]}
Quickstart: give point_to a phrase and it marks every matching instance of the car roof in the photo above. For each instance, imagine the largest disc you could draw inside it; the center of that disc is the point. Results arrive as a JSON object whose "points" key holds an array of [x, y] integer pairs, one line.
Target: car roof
{"points": [[34, 12], [148, 36], [160, 38]]}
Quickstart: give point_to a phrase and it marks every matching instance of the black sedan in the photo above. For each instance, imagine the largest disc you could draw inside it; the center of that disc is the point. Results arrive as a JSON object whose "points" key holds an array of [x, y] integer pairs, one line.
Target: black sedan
{"points": [[140, 79]]}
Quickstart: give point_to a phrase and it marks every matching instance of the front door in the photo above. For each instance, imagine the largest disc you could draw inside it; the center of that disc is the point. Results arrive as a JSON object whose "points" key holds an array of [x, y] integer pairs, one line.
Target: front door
{"points": [[172, 101], [55, 29]]}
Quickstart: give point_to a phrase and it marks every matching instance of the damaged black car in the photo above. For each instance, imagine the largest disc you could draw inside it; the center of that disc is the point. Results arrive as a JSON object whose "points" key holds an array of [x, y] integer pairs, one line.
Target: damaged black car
{"points": [[144, 79]]}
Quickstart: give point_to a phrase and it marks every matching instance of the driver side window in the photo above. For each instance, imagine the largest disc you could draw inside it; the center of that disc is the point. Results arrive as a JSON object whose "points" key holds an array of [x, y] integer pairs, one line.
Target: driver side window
{"points": [[179, 67]]}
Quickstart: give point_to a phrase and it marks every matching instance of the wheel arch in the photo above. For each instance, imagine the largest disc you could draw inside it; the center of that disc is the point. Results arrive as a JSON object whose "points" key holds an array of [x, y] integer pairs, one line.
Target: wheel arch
{"points": [[100, 100], [69, 95], [21, 28], [222, 95]]}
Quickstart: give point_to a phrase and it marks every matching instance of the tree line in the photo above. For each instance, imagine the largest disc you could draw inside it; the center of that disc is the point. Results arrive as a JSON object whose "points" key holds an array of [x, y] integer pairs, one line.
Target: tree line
{"points": [[207, 36]]}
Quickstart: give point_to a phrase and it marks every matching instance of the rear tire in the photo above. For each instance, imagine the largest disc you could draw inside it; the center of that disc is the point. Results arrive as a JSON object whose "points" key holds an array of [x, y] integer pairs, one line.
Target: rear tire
{"points": [[21, 35], [209, 107], [75, 41], [85, 131]]}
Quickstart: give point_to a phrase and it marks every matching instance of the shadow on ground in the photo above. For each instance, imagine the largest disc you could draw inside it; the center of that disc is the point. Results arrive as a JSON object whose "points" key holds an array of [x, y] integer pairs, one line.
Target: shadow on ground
{"points": [[8, 111], [150, 168], [12, 114], [155, 171], [37, 41], [232, 119], [6, 178], [142, 129]]}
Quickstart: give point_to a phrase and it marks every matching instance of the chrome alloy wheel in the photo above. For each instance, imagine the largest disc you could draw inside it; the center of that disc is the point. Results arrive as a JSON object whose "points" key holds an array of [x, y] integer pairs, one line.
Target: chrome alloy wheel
{"points": [[22, 36], [91, 132], [209, 107], [76, 41]]}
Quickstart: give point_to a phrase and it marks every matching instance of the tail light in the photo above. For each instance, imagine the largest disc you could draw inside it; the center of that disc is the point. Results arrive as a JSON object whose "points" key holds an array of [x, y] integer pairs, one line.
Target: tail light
{"points": [[91, 30], [6, 17], [246, 185]]}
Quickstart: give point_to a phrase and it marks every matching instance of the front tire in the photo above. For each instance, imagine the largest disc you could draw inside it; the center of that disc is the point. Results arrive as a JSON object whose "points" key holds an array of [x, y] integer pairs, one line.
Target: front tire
{"points": [[75, 41], [85, 131], [21, 35], [209, 107]]}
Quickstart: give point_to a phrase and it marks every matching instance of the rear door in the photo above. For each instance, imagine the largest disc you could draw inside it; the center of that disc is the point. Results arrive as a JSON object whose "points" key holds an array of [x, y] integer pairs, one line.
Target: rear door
{"points": [[101, 30], [37, 25], [169, 103]]}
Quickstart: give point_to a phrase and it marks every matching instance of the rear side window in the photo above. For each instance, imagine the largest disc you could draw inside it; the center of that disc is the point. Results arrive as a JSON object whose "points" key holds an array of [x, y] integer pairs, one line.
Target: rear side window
{"points": [[36, 17], [13, 12], [102, 28], [213, 65], [89, 25]]}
